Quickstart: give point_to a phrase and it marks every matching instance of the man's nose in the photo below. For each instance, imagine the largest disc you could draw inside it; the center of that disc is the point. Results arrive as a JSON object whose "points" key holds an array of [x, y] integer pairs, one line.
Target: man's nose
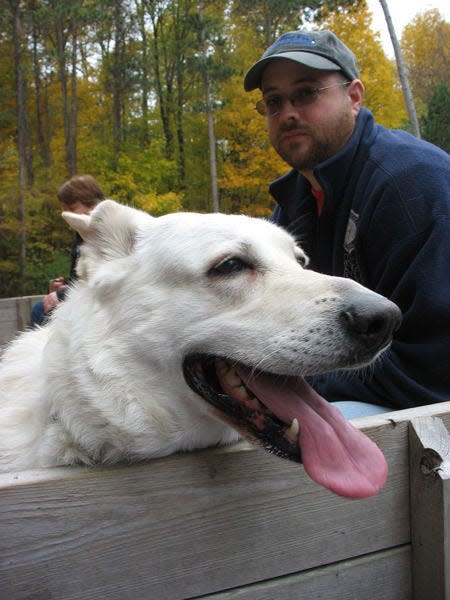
{"points": [[287, 109]]}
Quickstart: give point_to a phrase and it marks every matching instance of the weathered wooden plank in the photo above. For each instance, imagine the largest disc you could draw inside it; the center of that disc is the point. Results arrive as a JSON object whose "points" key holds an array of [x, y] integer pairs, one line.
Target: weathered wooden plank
{"points": [[381, 576], [23, 311], [190, 524], [9, 306], [14, 316], [430, 507], [7, 311], [8, 320], [441, 410]]}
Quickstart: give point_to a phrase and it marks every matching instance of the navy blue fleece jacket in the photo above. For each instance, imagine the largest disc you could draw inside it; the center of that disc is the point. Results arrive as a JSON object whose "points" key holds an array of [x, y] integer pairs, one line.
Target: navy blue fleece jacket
{"points": [[386, 223]]}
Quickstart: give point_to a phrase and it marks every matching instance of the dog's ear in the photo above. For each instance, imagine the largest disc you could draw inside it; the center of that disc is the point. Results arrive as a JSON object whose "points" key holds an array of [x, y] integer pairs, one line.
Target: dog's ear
{"points": [[79, 223], [110, 230]]}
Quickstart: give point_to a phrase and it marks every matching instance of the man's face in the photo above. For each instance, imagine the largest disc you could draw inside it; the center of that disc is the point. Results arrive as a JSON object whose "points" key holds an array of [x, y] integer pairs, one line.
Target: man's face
{"points": [[307, 135]]}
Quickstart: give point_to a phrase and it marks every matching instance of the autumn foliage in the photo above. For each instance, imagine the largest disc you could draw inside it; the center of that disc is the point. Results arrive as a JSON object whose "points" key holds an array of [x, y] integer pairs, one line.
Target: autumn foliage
{"points": [[117, 89]]}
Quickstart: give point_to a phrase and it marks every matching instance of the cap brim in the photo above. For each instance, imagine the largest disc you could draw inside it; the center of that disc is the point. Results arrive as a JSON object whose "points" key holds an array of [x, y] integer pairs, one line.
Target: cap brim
{"points": [[252, 79]]}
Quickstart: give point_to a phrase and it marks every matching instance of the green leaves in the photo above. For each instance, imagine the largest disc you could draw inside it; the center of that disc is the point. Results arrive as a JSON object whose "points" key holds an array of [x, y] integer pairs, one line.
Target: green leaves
{"points": [[436, 122]]}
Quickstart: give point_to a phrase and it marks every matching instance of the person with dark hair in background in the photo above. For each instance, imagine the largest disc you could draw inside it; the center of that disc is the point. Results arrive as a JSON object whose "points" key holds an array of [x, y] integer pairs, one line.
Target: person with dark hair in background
{"points": [[364, 202], [79, 195]]}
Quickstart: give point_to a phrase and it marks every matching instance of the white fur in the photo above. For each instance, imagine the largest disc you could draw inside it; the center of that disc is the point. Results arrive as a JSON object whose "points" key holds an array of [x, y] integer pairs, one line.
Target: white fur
{"points": [[102, 382]]}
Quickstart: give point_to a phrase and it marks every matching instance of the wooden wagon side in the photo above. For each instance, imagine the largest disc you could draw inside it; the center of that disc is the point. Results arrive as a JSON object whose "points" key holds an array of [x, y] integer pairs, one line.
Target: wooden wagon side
{"points": [[15, 316], [234, 523]]}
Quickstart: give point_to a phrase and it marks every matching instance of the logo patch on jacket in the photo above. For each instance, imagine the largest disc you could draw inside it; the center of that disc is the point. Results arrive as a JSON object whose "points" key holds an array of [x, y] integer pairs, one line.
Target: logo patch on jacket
{"points": [[352, 268]]}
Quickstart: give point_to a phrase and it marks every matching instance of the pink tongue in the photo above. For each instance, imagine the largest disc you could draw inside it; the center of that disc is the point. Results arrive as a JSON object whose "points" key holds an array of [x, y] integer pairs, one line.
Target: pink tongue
{"points": [[334, 453]]}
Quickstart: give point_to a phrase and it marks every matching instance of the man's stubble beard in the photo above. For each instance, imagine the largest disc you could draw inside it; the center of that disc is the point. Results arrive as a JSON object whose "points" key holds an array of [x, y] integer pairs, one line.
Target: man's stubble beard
{"points": [[322, 144], [318, 152]]}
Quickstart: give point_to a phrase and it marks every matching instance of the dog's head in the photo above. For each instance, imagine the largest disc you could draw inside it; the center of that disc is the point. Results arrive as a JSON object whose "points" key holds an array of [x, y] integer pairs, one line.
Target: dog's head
{"points": [[229, 305]]}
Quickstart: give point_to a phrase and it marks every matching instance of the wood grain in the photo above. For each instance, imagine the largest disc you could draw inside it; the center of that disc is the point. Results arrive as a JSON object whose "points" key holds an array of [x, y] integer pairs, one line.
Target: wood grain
{"points": [[15, 316], [430, 507], [196, 524]]}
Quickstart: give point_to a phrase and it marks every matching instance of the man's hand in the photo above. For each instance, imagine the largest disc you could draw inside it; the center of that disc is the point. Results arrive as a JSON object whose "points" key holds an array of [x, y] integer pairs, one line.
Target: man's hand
{"points": [[55, 284], [50, 301]]}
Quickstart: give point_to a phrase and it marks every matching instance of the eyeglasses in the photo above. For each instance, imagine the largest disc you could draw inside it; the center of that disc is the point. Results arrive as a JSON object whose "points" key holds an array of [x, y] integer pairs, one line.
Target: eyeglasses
{"points": [[272, 106]]}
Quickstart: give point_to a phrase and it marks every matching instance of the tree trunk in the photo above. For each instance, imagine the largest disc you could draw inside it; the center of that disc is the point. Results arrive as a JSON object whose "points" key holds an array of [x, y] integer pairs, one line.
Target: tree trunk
{"points": [[117, 81], [62, 68], [209, 114], [164, 98], [181, 159], [23, 137], [402, 72], [144, 75], [182, 21], [43, 143], [73, 139]]}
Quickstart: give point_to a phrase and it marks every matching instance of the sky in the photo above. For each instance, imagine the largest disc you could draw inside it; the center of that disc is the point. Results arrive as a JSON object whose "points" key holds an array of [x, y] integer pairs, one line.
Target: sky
{"points": [[402, 12]]}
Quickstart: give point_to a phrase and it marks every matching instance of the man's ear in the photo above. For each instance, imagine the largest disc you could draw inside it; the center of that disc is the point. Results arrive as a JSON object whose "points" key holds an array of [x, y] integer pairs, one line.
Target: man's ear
{"points": [[356, 94]]}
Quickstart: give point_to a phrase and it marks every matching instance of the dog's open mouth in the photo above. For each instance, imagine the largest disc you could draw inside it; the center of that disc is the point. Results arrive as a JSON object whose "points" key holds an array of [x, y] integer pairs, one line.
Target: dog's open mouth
{"points": [[288, 418]]}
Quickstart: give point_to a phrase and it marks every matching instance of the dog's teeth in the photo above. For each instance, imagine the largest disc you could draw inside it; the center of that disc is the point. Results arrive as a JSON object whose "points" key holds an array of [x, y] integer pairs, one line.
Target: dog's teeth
{"points": [[292, 431], [221, 367], [233, 378], [228, 373], [240, 393], [256, 403]]}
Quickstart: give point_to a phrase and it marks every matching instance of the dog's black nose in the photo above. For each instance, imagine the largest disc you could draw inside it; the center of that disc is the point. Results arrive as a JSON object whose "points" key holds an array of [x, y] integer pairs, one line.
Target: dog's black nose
{"points": [[372, 318]]}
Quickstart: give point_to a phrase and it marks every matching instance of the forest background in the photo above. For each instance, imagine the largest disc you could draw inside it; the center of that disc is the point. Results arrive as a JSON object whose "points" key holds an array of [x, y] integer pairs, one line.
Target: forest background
{"points": [[147, 97]]}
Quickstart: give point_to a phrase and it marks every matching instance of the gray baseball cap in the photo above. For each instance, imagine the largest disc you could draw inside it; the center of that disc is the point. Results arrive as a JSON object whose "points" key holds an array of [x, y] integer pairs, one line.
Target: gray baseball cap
{"points": [[320, 50]]}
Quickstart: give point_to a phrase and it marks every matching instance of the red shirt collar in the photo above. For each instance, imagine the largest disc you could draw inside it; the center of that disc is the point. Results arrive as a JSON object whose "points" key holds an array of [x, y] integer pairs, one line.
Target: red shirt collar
{"points": [[319, 196]]}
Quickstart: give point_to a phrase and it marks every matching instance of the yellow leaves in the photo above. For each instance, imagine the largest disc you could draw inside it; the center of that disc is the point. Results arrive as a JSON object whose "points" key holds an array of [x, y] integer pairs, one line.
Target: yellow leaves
{"points": [[249, 162], [379, 75], [159, 204], [426, 48]]}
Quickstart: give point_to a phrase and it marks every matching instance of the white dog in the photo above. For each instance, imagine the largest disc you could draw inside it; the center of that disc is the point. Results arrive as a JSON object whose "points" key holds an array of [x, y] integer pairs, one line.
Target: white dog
{"points": [[184, 332]]}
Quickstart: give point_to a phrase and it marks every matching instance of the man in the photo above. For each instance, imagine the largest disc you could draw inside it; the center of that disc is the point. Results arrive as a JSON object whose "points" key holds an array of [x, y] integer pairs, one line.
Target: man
{"points": [[79, 195], [364, 202]]}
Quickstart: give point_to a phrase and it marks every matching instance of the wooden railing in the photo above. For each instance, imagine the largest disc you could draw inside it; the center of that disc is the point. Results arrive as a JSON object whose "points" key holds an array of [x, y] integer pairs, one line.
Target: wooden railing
{"points": [[234, 523], [15, 316]]}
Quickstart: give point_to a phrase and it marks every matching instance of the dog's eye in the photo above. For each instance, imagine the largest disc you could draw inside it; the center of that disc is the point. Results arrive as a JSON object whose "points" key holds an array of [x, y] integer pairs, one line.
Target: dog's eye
{"points": [[229, 266]]}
